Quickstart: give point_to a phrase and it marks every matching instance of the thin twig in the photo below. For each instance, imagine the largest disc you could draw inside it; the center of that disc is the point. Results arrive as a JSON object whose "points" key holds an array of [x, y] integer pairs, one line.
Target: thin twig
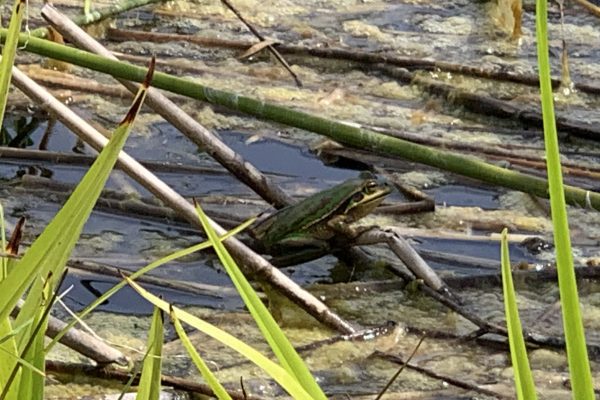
{"points": [[200, 289], [271, 48], [122, 376], [397, 374], [445, 378]]}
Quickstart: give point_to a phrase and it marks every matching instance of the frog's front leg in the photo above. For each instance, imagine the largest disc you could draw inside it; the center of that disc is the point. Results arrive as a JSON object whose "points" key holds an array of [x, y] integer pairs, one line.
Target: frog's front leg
{"points": [[341, 226]]}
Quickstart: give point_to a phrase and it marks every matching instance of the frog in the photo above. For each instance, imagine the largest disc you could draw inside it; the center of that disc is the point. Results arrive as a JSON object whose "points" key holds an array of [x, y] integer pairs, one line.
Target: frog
{"points": [[305, 230]]}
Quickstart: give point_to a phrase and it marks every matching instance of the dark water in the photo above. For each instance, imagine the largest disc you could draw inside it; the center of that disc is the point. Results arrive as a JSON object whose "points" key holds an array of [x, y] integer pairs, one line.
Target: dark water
{"points": [[128, 242]]}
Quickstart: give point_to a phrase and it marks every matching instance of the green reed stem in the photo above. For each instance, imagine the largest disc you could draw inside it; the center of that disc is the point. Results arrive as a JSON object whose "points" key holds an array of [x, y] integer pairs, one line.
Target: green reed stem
{"points": [[343, 133], [579, 368]]}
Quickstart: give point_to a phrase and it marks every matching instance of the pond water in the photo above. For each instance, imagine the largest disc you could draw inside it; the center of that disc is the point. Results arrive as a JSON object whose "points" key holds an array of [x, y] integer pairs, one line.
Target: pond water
{"points": [[469, 33]]}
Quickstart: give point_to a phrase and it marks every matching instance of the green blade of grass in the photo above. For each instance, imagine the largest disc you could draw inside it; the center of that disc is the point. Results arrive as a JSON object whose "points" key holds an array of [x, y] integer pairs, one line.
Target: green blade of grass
{"points": [[171, 257], [280, 375], [52, 248], [31, 384], [518, 352], [3, 260], [8, 343], [579, 366], [9, 355], [149, 386], [8, 53], [22, 362], [284, 351], [207, 374]]}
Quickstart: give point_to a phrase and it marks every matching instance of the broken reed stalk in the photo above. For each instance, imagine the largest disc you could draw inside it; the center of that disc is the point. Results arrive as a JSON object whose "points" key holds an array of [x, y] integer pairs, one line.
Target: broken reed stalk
{"points": [[192, 129], [343, 133]]}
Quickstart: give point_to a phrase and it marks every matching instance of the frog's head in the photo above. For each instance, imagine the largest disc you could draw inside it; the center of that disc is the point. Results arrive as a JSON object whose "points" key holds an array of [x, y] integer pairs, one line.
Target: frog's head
{"points": [[369, 193]]}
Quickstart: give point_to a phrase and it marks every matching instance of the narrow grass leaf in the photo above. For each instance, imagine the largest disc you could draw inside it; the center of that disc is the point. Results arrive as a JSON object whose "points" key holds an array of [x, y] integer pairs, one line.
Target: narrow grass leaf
{"points": [[9, 356], [207, 374], [52, 248], [14, 331], [284, 351], [577, 355], [155, 264], [8, 344], [149, 386], [280, 375], [518, 352], [3, 260], [8, 53]]}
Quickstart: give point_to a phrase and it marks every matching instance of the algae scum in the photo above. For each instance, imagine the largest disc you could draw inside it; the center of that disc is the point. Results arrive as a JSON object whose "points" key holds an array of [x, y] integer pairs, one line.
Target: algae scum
{"points": [[124, 233]]}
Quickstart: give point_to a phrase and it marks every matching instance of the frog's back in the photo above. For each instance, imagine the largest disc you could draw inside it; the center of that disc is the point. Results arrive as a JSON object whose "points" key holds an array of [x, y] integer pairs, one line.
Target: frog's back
{"points": [[301, 216]]}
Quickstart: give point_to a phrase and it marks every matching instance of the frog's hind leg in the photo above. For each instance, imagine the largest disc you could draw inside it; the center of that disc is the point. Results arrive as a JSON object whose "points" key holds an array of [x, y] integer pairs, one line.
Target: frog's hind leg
{"points": [[299, 250]]}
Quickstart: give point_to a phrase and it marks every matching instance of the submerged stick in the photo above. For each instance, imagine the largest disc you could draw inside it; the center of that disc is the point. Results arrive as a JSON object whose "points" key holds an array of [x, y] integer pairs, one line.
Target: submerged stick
{"points": [[123, 376], [338, 131], [364, 57]]}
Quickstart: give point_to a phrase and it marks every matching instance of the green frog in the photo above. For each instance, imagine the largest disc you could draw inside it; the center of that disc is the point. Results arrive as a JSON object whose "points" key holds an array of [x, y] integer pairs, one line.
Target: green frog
{"points": [[304, 231]]}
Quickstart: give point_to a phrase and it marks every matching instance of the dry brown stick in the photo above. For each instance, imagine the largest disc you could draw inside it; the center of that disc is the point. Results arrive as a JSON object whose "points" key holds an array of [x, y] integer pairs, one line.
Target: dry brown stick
{"points": [[405, 252], [57, 157], [423, 202], [82, 342], [500, 150], [248, 259], [109, 201], [71, 370], [198, 134], [260, 37], [590, 172], [349, 54], [445, 378], [592, 8], [458, 283], [200, 289], [488, 105], [459, 260], [69, 81]]}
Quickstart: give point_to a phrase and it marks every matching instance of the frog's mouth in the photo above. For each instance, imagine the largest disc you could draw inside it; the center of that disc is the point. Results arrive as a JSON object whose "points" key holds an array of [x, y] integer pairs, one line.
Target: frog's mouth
{"points": [[359, 207]]}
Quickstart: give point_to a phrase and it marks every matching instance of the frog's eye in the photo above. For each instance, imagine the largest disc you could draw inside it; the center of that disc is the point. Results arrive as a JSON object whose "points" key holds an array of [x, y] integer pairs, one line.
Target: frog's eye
{"points": [[370, 187], [357, 197]]}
